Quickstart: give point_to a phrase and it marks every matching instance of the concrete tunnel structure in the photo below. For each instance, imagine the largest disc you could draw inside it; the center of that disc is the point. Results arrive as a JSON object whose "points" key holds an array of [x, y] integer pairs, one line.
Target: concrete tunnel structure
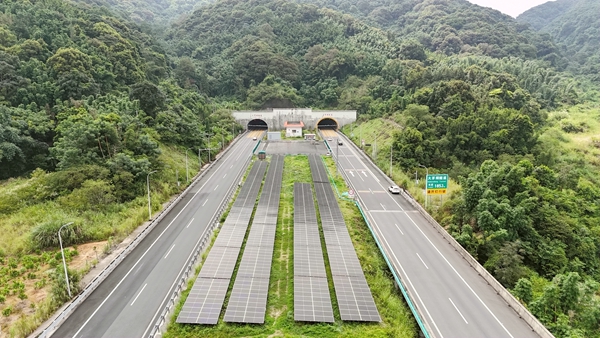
{"points": [[275, 119]]}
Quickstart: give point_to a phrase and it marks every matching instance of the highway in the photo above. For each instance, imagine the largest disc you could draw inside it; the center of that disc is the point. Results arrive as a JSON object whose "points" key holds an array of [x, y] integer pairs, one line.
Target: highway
{"points": [[131, 298], [454, 300]]}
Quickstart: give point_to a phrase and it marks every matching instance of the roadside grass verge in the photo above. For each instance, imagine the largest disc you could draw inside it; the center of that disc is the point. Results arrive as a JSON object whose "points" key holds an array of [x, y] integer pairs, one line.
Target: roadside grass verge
{"points": [[392, 307], [25, 270], [279, 321]]}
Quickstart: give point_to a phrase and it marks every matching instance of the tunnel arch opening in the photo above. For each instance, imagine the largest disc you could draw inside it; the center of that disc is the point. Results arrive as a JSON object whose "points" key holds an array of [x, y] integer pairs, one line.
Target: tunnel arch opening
{"points": [[328, 123], [257, 124]]}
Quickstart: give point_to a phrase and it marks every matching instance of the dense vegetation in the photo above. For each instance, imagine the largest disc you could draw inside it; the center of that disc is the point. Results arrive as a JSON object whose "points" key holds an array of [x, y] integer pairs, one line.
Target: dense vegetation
{"points": [[87, 110], [91, 103], [152, 14], [575, 27], [450, 27], [267, 52], [531, 220]]}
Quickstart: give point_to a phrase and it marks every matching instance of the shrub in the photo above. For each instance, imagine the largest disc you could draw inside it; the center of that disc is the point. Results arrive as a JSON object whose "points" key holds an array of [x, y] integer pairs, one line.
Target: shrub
{"points": [[94, 195], [59, 288], [13, 263], [7, 311], [45, 235], [18, 286], [40, 284], [28, 262], [63, 182], [2, 299], [569, 127]]}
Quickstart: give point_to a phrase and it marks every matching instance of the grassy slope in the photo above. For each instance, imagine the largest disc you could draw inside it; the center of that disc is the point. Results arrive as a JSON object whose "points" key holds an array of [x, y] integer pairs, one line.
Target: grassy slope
{"points": [[575, 146], [397, 320], [113, 224]]}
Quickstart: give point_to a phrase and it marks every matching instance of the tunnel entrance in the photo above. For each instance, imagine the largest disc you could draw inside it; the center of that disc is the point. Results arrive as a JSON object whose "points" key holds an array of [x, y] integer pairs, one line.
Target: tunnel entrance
{"points": [[257, 124], [327, 123]]}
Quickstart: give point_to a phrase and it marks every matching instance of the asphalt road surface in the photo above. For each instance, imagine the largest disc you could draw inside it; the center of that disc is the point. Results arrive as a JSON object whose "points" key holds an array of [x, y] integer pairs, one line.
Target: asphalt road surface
{"points": [[129, 301], [454, 299]]}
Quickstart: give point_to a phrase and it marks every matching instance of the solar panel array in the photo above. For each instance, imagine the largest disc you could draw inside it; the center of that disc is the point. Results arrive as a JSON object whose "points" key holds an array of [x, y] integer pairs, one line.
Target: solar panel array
{"points": [[354, 297], [204, 303], [248, 301], [312, 302]]}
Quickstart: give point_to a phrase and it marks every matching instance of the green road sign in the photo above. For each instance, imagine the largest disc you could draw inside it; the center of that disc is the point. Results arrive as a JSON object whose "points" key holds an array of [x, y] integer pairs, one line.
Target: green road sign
{"points": [[437, 184]]}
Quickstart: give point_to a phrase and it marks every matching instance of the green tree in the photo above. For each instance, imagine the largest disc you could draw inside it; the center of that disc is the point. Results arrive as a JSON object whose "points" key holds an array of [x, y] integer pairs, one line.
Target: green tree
{"points": [[151, 98]]}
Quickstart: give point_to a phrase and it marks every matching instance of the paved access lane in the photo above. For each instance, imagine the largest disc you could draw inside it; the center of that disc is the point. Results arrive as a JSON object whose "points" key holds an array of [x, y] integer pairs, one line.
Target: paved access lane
{"points": [[128, 302]]}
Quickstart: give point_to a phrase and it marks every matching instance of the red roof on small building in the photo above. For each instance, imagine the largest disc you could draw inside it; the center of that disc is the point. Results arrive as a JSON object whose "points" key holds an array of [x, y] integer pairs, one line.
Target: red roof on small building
{"points": [[293, 124]]}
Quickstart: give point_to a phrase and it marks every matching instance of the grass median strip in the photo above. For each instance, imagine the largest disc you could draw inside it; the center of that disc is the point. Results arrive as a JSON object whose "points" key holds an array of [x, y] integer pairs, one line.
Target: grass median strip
{"points": [[397, 320]]}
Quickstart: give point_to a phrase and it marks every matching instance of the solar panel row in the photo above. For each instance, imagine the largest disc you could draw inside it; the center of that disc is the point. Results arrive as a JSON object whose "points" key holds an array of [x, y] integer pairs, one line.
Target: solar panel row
{"points": [[354, 297], [248, 301], [312, 301], [204, 303]]}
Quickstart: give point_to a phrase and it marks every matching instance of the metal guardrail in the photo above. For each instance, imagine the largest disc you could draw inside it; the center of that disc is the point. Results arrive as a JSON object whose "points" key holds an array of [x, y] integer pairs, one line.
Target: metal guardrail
{"points": [[519, 308], [200, 246], [96, 281]]}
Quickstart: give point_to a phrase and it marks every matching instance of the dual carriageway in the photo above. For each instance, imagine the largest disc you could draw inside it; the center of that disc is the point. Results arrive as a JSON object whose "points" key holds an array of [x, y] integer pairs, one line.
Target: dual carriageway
{"points": [[453, 300]]}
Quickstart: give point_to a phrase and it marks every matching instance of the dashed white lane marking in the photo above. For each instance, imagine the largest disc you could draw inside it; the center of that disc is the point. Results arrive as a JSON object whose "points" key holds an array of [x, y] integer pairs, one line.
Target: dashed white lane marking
{"points": [[422, 261], [457, 310], [136, 297], [169, 251], [397, 227]]}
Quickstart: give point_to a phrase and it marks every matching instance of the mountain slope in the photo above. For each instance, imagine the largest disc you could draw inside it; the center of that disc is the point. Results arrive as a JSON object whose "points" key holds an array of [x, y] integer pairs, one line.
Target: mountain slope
{"points": [[158, 13], [450, 26], [575, 26]]}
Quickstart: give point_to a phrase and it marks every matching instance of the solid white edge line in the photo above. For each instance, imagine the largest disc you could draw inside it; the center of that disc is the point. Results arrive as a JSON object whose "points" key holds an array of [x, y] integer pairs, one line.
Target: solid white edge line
{"points": [[169, 251], [136, 297], [422, 261], [457, 310], [461, 278], [144, 254]]}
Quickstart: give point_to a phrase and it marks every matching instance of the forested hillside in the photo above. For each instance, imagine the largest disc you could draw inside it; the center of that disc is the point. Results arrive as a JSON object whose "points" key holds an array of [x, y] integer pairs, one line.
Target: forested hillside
{"points": [[153, 14], [575, 27], [88, 109], [90, 103], [79, 87], [450, 26], [318, 57]]}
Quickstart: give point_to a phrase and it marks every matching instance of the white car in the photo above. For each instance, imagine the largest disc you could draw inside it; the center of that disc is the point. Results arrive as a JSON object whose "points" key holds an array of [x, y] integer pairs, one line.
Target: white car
{"points": [[330, 139], [394, 189], [254, 138]]}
